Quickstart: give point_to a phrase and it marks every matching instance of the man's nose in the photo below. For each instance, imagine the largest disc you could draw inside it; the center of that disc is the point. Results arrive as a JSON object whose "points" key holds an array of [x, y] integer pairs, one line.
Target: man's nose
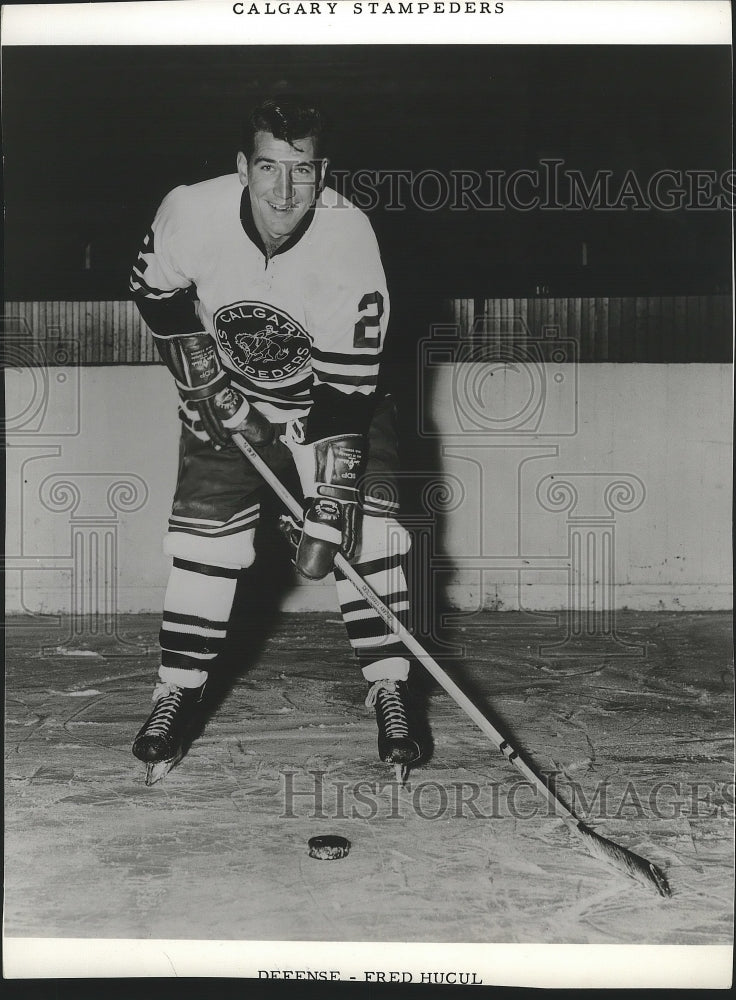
{"points": [[285, 186]]}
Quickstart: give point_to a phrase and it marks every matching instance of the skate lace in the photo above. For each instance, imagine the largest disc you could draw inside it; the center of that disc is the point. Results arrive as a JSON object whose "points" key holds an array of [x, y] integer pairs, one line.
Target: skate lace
{"points": [[168, 698], [386, 694]]}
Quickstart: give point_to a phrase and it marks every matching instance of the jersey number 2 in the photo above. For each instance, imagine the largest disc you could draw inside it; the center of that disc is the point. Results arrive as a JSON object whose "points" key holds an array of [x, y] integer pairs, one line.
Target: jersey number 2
{"points": [[368, 328]]}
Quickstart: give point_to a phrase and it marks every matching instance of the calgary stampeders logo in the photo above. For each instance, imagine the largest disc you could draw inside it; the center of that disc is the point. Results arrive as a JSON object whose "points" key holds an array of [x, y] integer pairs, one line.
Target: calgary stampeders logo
{"points": [[262, 342]]}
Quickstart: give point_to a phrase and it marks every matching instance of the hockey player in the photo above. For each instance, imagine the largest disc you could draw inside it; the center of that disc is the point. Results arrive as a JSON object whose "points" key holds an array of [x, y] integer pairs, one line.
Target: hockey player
{"points": [[266, 295]]}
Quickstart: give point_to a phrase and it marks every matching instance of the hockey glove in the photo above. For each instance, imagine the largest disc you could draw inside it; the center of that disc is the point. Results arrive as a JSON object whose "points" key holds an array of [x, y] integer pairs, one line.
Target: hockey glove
{"points": [[329, 471], [236, 415], [204, 384]]}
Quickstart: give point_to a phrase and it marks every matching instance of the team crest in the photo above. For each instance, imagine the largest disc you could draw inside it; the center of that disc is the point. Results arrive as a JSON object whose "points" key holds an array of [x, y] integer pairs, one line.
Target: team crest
{"points": [[261, 342]]}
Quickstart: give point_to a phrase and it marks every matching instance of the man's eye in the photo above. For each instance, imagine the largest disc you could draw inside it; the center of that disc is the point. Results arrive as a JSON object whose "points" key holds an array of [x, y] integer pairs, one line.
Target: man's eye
{"points": [[305, 171], [265, 167]]}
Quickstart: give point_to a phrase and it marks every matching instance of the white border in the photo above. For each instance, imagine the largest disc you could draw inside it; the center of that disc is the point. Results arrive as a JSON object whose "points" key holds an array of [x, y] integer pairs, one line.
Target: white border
{"points": [[523, 22], [531, 965]]}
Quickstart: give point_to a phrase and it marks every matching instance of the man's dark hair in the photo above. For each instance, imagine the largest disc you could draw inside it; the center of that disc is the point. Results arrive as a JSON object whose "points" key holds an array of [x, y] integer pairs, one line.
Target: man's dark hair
{"points": [[287, 118]]}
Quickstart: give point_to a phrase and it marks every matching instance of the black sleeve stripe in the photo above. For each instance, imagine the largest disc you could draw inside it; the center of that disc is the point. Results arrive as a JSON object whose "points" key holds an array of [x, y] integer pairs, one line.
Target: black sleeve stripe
{"points": [[172, 317], [337, 411], [334, 358], [137, 282], [141, 288]]}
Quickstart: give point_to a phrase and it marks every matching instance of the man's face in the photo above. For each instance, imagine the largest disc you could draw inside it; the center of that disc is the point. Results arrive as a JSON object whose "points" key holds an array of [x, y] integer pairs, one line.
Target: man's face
{"points": [[282, 181]]}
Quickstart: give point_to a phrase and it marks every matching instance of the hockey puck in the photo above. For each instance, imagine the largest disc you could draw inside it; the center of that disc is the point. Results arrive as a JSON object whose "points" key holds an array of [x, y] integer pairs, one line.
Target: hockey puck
{"points": [[328, 848]]}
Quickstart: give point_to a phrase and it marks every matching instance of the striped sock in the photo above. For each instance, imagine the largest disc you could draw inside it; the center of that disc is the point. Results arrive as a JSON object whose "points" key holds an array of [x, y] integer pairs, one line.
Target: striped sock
{"points": [[380, 653], [197, 608]]}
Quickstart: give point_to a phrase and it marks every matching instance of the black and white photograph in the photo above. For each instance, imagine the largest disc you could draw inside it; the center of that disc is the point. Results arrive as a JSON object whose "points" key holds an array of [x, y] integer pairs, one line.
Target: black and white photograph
{"points": [[368, 434]]}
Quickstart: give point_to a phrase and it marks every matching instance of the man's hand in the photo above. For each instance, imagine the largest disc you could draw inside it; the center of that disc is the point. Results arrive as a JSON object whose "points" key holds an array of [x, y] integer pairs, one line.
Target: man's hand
{"points": [[233, 414], [329, 470], [204, 385]]}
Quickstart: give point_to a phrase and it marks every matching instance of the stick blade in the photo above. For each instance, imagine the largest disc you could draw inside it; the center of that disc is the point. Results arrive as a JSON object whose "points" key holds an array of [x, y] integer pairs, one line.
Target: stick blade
{"points": [[626, 861]]}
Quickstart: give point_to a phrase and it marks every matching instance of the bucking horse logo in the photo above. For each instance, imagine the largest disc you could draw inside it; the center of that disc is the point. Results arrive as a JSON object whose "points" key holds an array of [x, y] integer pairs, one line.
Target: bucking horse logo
{"points": [[264, 345], [262, 342]]}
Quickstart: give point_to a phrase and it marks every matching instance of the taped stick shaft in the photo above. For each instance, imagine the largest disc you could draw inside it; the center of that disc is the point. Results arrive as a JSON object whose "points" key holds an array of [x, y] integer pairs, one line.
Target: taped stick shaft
{"points": [[408, 639]]}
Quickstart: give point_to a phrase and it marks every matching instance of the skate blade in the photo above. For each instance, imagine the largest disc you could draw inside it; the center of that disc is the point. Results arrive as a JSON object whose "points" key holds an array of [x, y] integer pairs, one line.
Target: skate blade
{"points": [[157, 770], [402, 773]]}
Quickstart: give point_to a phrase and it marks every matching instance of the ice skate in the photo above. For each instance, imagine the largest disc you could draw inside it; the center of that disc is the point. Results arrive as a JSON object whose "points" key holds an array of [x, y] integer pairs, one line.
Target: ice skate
{"points": [[395, 743], [160, 743]]}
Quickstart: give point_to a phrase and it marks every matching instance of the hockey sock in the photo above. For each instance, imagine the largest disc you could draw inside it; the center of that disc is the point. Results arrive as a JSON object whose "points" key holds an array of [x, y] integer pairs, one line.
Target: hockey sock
{"points": [[380, 653], [197, 606]]}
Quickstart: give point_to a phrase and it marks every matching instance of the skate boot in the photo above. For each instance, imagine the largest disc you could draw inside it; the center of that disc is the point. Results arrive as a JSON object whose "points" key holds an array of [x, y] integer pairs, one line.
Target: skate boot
{"points": [[160, 743], [395, 743]]}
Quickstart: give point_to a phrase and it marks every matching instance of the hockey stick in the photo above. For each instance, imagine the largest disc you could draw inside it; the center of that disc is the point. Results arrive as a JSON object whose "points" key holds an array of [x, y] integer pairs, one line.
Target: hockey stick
{"points": [[605, 850]]}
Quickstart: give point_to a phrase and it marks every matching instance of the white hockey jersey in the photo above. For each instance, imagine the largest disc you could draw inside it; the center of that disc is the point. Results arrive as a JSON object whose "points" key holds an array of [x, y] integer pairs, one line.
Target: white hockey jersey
{"points": [[316, 312]]}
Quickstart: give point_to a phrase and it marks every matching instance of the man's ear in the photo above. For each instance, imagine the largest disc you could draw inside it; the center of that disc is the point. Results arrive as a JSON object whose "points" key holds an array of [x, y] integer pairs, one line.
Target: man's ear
{"points": [[242, 164], [323, 172]]}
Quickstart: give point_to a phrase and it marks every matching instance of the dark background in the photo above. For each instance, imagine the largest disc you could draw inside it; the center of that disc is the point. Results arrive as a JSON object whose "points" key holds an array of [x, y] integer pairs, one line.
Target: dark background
{"points": [[95, 136]]}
